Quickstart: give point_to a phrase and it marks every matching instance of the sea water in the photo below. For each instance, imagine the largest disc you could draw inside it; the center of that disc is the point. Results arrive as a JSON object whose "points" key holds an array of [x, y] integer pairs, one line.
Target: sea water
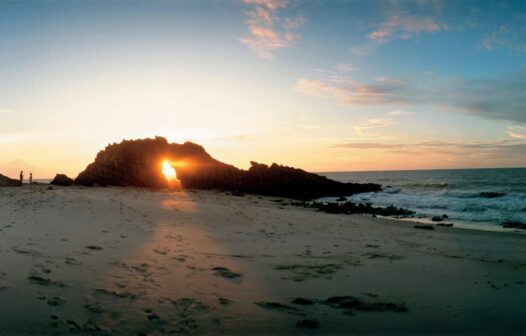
{"points": [[487, 197]]}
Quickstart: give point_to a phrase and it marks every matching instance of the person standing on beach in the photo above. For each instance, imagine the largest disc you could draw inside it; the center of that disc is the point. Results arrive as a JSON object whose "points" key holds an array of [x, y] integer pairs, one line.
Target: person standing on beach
{"points": [[30, 178], [21, 177]]}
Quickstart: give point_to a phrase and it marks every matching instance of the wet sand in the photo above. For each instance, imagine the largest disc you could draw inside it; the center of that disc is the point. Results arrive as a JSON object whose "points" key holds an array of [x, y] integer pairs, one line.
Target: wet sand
{"points": [[122, 261]]}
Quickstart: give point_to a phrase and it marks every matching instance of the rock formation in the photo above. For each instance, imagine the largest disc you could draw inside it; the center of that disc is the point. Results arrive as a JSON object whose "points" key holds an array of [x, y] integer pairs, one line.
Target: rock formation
{"points": [[139, 162], [8, 182], [62, 180]]}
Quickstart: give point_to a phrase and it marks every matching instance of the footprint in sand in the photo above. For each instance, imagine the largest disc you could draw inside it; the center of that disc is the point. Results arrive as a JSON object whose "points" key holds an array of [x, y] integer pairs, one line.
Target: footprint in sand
{"points": [[225, 273], [38, 280], [56, 301], [72, 261], [305, 272], [280, 307], [224, 301], [121, 295], [3, 285], [94, 247]]}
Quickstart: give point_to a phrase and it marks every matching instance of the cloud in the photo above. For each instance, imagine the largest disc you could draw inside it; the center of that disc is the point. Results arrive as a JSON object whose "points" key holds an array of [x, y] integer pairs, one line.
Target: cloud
{"points": [[475, 148], [268, 4], [398, 26], [269, 31], [346, 67], [352, 92], [502, 98], [517, 132], [397, 113], [6, 111], [363, 128], [9, 138], [503, 37]]}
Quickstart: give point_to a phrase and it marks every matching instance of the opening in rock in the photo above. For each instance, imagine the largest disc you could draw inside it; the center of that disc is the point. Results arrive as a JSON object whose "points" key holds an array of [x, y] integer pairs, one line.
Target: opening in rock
{"points": [[168, 171]]}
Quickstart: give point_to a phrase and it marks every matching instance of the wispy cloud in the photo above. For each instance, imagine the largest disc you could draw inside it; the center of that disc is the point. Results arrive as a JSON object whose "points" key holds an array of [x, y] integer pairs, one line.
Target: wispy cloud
{"points": [[474, 148], [6, 111], [504, 36], [517, 132], [501, 98], [398, 26], [352, 92], [346, 67], [364, 128], [397, 113], [9, 138], [269, 31]]}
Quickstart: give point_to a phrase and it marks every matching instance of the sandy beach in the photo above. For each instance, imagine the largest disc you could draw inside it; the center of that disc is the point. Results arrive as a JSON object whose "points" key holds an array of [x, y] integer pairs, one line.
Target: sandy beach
{"points": [[127, 261]]}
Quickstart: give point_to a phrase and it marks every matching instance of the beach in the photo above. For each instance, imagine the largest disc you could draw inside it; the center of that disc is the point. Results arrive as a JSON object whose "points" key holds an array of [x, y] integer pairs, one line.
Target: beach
{"points": [[131, 261]]}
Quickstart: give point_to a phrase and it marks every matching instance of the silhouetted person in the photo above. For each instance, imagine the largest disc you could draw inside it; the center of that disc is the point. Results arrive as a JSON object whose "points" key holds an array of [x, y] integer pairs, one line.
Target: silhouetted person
{"points": [[30, 178], [21, 177]]}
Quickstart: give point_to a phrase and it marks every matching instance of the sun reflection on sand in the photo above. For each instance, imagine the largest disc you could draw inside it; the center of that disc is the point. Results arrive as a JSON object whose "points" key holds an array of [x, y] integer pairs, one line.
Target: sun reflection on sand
{"points": [[172, 271]]}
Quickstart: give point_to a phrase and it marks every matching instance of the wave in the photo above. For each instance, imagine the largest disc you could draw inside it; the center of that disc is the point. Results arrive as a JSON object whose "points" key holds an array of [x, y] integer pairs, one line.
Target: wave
{"points": [[443, 185], [491, 196]]}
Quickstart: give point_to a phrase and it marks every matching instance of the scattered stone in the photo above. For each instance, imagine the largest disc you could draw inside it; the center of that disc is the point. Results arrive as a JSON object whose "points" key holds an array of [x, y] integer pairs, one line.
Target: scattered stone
{"points": [[514, 225], [94, 247], [62, 180], [349, 208]]}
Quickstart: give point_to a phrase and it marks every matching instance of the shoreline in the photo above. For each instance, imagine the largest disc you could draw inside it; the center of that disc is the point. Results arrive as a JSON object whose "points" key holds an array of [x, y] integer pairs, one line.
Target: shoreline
{"points": [[129, 260]]}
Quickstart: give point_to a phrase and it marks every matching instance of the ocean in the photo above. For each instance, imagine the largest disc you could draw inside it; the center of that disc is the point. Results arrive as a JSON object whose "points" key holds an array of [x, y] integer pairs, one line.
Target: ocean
{"points": [[471, 198]]}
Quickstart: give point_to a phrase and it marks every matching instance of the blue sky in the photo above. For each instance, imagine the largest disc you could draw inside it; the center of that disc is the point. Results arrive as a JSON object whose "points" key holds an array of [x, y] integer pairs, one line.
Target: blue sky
{"points": [[323, 85]]}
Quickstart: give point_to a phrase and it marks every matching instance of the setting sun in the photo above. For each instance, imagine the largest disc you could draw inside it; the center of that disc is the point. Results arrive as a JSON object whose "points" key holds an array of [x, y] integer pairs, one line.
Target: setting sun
{"points": [[169, 171]]}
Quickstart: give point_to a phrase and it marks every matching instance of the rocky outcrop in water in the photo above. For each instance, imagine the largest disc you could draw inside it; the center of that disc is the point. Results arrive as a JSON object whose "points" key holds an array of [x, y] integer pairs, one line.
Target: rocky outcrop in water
{"points": [[62, 180], [8, 182], [139, 163], [350, 208]]}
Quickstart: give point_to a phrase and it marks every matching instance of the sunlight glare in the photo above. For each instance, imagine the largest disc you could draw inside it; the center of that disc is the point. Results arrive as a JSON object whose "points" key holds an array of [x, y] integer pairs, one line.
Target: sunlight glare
{"points": [[169, 171]]}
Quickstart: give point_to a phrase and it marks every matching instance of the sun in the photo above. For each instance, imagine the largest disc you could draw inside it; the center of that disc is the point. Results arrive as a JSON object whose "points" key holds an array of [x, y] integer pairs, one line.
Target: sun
{"points": [[169, 171]]}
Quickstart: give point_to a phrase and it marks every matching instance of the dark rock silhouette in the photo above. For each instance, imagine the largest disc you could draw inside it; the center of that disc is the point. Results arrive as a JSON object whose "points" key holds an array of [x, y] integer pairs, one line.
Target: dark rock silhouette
{"points": [[8, 182], [139, 163], [350, 208], [514, 225], [62, 180]]}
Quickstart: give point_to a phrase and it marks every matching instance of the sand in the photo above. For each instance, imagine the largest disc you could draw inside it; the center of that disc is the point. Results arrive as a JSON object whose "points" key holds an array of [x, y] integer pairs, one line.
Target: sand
{"points": [[124, 261]]}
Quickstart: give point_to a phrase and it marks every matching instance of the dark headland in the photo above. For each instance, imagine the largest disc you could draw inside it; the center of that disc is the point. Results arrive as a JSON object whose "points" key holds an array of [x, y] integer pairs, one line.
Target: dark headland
{"points": [[138, 163], [8, 182]]}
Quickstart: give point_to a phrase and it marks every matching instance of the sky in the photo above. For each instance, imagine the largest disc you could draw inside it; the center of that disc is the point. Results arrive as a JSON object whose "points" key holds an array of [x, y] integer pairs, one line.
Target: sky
{"points": [[322, 85]]}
